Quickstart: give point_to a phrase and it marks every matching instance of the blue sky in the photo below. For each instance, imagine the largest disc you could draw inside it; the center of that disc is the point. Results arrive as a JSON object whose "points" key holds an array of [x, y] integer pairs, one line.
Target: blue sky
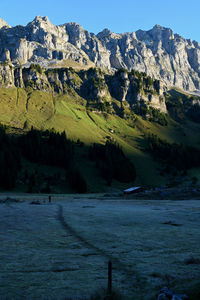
{"points": [[182, 16]]}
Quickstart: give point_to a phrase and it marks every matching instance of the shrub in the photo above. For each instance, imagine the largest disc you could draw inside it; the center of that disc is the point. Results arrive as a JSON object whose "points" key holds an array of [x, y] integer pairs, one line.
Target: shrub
{"points": [[36, 68]]}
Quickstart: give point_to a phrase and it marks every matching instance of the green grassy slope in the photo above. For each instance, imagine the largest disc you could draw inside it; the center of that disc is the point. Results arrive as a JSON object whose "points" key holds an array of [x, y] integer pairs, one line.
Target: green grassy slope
{"points": [[69, 112]]}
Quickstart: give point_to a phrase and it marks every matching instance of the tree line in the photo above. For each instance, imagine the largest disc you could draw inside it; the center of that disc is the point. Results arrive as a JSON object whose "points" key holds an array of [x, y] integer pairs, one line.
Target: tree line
{"points": [[10, 160], [54, 149], [42, 147], [174, 155]]}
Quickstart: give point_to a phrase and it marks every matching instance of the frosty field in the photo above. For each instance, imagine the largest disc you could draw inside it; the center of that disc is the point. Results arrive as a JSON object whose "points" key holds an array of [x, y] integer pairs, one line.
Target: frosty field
{"points": [[61, 249]]}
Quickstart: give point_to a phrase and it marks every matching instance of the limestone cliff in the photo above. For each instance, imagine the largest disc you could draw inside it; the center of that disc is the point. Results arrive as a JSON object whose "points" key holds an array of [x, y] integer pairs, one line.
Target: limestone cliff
{"points": [[159, 52], [94, 85], [3, 24]]}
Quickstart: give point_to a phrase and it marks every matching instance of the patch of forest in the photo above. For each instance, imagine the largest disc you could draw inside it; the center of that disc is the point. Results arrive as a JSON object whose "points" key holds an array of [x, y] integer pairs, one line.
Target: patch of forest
{"points": [[112, 163], [51, 148], [173, 156]]}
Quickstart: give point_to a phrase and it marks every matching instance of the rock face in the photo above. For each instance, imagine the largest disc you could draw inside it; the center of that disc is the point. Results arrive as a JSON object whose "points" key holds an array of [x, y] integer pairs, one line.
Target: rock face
{"points": [[158, 52], [3, 24], [7, 76], [128, 88]]}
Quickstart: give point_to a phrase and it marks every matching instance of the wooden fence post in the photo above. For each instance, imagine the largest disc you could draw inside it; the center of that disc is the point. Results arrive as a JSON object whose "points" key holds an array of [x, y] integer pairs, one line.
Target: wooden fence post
{"points": [[109, 277]]}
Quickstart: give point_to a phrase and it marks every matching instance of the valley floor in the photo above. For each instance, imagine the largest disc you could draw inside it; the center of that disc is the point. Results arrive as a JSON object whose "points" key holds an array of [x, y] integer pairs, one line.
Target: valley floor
{"points": [[61, 249]]}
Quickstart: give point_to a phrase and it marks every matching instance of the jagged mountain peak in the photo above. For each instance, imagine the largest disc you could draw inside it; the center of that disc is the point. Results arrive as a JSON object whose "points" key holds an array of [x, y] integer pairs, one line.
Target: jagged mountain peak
{"points": [[39, 21], [75, 24], [157, 33], [3, 24], [105, 32], [157, 26], [74, 27], [159, 52], [40, 18], [159, 30]]}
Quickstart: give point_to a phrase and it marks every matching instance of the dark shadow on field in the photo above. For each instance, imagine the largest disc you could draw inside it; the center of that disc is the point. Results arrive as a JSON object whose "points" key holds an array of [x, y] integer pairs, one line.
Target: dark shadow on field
{"points": [[117, 264]]}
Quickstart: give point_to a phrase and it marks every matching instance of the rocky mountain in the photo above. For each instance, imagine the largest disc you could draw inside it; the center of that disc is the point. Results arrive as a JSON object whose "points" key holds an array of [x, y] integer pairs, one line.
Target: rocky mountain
{"points": [[3, 24], [158, 52], [98, 88]]}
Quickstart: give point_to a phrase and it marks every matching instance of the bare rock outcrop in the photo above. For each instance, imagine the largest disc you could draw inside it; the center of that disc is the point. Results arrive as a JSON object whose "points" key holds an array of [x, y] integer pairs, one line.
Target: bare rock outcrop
{"points": [[159, 52], [7, 76], [3, 24], [94, 85]]}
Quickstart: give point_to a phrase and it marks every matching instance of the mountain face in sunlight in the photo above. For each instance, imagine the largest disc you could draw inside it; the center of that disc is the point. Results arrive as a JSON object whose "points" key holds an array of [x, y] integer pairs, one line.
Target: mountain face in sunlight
{"points": [[159, 52]]}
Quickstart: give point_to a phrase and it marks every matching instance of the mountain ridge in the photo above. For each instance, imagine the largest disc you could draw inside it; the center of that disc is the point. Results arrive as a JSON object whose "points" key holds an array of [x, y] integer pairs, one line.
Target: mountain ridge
{"points": [[159, 52]]}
